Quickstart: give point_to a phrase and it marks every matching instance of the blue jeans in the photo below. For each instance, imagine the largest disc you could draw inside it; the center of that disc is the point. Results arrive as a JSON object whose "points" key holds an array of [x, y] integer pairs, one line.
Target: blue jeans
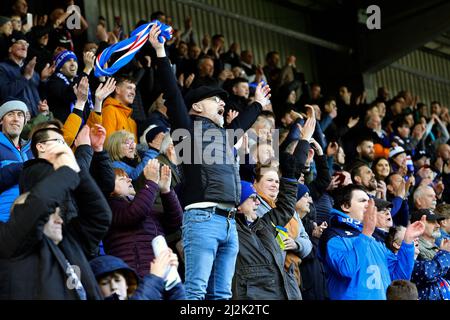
{"points": [[210, 249]]}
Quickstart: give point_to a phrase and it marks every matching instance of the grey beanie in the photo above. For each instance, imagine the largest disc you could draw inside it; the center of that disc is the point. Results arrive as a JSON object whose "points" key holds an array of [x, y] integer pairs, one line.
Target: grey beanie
{"points": [[13, 105], [4, 20]]}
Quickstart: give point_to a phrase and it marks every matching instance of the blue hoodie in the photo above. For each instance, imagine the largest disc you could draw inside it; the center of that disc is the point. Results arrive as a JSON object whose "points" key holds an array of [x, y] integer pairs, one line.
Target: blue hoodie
{"points": [[11, 163], [359, 267]]}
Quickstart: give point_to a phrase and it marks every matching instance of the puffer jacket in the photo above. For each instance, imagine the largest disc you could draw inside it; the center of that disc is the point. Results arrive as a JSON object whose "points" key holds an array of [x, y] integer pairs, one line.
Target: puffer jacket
{"points": [[136, 223], [260, 270], [11, 164]]}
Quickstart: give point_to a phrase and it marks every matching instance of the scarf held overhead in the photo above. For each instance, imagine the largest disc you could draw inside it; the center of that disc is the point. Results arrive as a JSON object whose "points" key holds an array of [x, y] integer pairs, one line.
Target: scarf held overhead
{"points": [[130, 47]]}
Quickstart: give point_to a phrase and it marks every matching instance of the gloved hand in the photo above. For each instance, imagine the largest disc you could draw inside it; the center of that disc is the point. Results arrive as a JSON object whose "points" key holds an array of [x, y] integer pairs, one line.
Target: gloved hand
{"points": [[287, 165]]}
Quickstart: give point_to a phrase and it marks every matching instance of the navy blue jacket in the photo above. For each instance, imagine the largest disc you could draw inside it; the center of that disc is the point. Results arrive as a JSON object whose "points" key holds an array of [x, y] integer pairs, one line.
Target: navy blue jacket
{"points": [[152, 288], [13, 84]]}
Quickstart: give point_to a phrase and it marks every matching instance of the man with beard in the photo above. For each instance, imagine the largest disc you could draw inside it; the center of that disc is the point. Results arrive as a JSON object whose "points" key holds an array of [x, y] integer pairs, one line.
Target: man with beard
{"points": [[363, 176], [427, 245], [366, 154]]}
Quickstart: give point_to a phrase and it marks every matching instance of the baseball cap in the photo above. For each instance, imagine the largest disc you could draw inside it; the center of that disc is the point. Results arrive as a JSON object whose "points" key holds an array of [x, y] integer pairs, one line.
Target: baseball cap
{"points": [[431, 216], [381, 204], [395, 151]]}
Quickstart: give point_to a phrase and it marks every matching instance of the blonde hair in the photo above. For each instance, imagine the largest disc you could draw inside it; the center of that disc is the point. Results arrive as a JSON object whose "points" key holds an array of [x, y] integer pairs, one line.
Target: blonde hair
{"points": [[114, 144]]}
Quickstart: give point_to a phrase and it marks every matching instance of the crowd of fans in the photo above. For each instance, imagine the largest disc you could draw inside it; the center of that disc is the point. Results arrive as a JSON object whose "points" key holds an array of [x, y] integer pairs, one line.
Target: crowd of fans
{"points": [[317, 195]]}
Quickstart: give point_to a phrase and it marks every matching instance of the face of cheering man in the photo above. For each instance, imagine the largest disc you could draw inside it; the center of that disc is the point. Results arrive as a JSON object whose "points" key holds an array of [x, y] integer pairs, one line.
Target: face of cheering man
{"points": [[212, 108]]}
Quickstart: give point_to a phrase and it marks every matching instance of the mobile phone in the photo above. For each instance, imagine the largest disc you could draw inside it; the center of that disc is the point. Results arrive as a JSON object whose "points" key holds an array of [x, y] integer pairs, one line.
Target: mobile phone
{"points": [[29, 19], [341, 177], [227, 66]]}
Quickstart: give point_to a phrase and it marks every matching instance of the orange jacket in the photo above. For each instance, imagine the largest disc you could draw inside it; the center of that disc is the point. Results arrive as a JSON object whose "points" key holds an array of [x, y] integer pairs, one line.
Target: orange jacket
{"points": [[116, 117], [73, 125]]}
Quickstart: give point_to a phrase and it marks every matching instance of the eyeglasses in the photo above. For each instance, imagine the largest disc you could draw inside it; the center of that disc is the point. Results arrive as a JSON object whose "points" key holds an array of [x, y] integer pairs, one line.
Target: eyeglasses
{"points": [[58, 140], [215, 98], [128, 142], [254, 197]]}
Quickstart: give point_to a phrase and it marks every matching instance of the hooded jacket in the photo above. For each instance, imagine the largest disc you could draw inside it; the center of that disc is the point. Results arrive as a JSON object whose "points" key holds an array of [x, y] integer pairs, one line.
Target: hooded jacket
{"points": [[11, 164], [260, 270], [359, 267], [116, 116], [34, 267], [432, 277]]}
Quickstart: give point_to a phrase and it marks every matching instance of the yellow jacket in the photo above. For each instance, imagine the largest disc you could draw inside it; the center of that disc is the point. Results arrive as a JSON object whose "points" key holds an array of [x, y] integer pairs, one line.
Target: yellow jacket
{"points": [[117, 117]]}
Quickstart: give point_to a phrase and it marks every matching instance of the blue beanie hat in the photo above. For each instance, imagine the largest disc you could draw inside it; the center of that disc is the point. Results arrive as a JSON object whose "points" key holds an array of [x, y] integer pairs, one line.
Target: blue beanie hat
{"points": [[301, 191], [247, 189], [103, 265], [63, 57]]}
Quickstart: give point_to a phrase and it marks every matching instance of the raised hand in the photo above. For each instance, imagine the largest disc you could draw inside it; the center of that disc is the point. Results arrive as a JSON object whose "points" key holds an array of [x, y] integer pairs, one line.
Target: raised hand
{"points": [[155, 31], [370, 219], [104, 90], [60, 155], [43, 107], [81, 91], [165, 179], [89, 60], [28, 71], [445, 245], [231, 115], [334, 183], [316, 146], [189, 80], [415, 230], [151, 171], [262, 94], [400, 190], [48, 71], [318, 230], [308, 129], [160, 264], [352, 122], [83, 137], [97, 136], [381, 189]]}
